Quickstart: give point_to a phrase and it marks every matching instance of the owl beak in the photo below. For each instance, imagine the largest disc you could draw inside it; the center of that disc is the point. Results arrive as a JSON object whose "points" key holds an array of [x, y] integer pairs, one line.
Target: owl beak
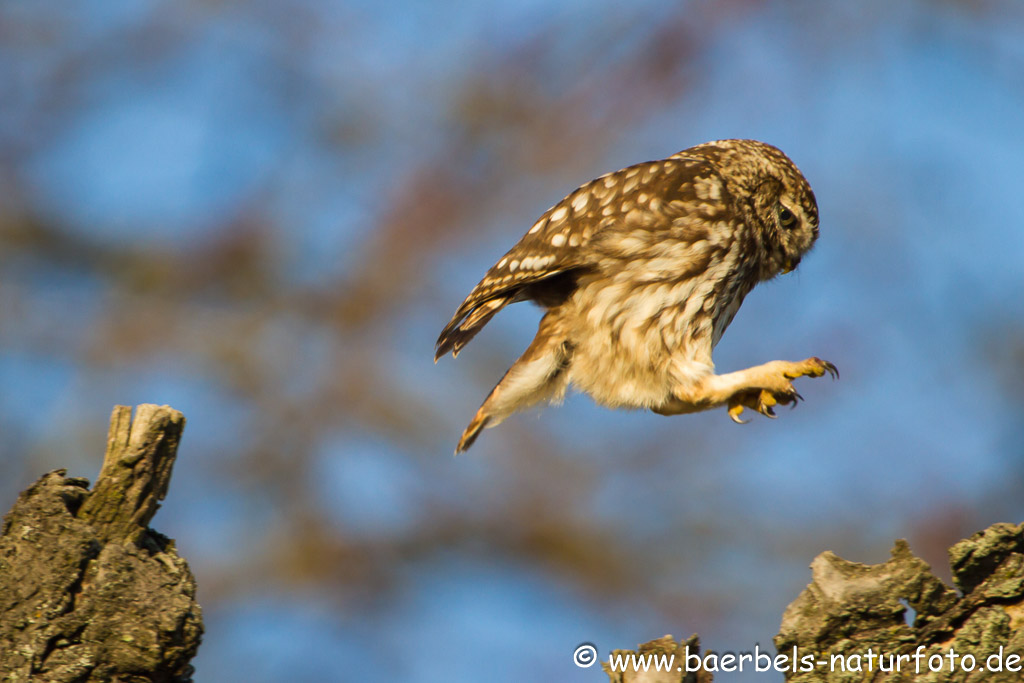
{"points": [[789, 265]]}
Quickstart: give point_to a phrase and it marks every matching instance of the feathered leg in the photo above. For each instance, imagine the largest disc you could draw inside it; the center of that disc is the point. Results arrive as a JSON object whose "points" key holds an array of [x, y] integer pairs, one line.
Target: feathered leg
{"points": [[759, 388]]}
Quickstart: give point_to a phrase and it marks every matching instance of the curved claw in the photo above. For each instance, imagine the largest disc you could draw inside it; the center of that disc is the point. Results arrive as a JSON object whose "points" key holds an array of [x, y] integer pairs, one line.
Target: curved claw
{"points": [[814, 367], [830, 368], [788, 399], [765, 402], [734, 414]]}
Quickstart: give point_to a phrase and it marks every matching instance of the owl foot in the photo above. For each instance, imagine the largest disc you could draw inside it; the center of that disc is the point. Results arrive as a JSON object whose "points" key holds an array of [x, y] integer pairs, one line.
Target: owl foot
{"points": [[775, 388], [761, 400], [811, 367]]}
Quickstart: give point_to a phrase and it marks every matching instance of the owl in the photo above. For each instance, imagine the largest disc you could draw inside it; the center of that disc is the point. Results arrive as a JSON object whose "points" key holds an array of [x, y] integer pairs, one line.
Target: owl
{"points": [[640, 273]]}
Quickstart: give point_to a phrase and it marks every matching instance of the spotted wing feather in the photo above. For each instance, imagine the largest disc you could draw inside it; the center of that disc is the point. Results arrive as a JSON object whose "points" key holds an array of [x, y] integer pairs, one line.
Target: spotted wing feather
{"points": [[559, 241]]}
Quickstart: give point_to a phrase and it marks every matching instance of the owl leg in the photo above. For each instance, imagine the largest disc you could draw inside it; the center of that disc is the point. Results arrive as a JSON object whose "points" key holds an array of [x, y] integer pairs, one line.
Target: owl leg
{"points": [[760, 388], [539, 375]]}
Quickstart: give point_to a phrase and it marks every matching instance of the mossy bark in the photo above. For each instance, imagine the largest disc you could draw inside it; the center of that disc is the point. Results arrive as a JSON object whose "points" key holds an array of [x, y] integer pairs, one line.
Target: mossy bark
{"points": [[850, 623], [87, 591]]}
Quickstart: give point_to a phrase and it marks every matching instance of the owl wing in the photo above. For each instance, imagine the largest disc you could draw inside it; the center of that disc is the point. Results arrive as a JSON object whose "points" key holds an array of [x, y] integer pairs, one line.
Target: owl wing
{"points": [[646, 197]]}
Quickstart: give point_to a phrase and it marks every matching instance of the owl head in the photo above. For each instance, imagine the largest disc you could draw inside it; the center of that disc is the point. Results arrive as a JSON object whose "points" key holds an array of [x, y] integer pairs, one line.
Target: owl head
{"points": [[781, 204]]}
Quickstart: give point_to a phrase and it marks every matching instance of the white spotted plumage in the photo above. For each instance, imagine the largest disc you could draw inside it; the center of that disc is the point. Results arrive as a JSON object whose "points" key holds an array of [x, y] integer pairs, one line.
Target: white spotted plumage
{"points": [[640, 272]]}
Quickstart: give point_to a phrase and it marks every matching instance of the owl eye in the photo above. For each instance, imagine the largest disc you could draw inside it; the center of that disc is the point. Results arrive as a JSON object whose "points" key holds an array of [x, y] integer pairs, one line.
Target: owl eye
{"points": [[786, 217]]}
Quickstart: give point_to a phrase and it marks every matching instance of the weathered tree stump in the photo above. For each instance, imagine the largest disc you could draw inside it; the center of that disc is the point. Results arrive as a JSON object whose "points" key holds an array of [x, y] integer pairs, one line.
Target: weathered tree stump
{"points": [[87, 591], [850, 622]]}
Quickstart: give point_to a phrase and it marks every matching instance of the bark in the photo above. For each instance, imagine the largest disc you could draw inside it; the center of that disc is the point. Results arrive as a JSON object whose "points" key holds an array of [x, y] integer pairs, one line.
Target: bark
{"points": [[850, 624], [87, 591]]}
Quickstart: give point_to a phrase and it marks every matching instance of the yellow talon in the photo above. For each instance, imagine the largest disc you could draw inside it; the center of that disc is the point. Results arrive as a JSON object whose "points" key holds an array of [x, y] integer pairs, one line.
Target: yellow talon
{"points": [[765, 402], [813, 367], [782, 392], [734, 412]]}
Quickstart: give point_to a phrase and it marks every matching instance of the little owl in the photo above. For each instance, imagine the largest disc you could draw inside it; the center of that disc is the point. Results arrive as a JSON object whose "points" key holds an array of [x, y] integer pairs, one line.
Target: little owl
{"points": [[640, 272]]}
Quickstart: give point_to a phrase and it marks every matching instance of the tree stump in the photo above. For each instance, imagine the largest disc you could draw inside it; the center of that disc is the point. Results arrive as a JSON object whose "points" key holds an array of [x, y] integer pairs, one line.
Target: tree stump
{"points": [[850, 623], [88, 592]]}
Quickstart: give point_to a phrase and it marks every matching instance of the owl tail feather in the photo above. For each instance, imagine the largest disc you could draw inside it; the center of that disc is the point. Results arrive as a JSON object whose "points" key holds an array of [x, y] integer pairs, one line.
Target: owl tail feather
{"points": [[480, 421], [540, 374]]}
